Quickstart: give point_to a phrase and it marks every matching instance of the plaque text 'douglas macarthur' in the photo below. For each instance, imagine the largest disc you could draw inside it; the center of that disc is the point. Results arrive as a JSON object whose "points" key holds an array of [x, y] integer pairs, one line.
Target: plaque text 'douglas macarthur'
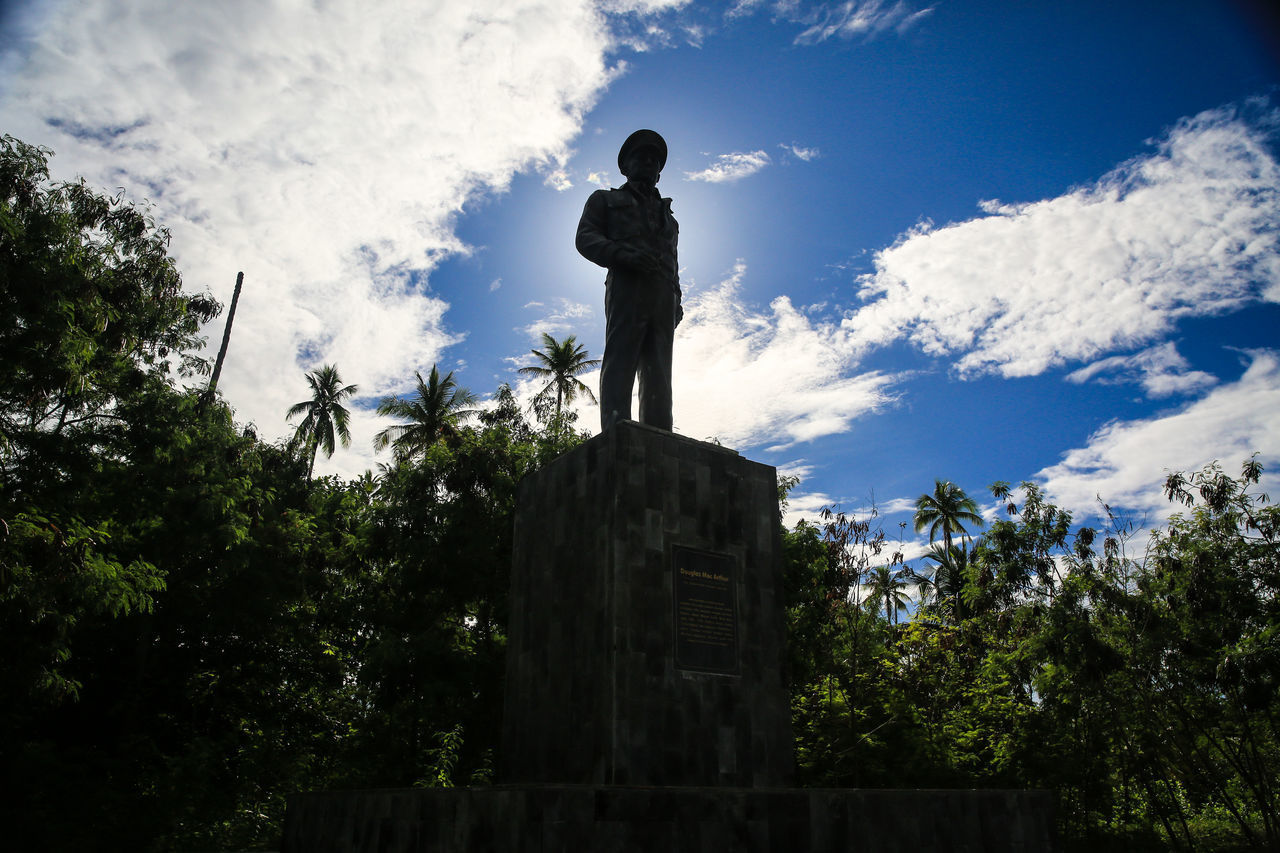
{"points": [[706, 611]]}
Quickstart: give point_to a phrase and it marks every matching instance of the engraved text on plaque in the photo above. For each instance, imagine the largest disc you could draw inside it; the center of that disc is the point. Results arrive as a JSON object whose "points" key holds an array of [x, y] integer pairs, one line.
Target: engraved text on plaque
{"points": [[706, 611]]}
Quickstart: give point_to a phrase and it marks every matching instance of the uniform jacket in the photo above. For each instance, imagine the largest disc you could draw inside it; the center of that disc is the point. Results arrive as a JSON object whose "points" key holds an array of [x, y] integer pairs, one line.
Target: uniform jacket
{"points": [[616, 218]]}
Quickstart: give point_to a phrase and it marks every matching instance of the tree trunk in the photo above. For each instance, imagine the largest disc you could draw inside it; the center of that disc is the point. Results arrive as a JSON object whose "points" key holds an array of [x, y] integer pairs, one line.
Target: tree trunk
{"points": [[226, 338]]}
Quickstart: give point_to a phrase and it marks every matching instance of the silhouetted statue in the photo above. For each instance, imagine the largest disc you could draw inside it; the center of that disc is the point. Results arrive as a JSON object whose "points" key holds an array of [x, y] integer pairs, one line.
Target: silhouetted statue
{"points": [[631, 231]]}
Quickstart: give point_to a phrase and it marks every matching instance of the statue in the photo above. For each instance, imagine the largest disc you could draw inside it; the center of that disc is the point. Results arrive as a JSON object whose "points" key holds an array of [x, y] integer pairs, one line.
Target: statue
{"points": [[631, 232]]}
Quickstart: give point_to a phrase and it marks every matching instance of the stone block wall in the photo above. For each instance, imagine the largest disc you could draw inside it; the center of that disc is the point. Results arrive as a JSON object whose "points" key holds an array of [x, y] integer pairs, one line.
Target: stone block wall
{"points": [[594, 693]]}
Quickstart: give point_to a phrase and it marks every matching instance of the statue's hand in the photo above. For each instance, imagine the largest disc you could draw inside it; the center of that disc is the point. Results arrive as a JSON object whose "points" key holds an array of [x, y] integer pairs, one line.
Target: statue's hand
{"points": [[679, 313], [638, 261]]}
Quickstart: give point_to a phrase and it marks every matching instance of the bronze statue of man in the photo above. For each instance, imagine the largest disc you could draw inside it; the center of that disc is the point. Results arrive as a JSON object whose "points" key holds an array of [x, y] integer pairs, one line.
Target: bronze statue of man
{"points": [[631, 231]]}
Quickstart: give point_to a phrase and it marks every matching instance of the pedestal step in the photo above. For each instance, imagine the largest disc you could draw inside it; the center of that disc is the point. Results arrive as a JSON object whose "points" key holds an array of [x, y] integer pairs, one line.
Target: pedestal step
{"points": [[584, 818]]}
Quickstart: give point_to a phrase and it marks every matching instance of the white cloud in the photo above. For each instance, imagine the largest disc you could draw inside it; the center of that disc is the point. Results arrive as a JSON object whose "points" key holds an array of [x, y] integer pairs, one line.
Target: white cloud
{"points": [[742, 8], [1124, 462], [644, 25], [325, 152], [898, 505], [558, 180], [801, 153], [776, 377], [854, 18], [844, 20], [731, 167], [495, 284], [641, 7], [558, 321], [806, 506], [1188, 230], [1161, 370]]}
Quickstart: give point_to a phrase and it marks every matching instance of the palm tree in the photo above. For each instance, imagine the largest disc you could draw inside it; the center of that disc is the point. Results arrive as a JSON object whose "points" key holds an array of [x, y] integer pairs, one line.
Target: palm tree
{"points": [[947, 510], [560, 364], [326, 418], [888, 587], [433, 412], [947, 584]]}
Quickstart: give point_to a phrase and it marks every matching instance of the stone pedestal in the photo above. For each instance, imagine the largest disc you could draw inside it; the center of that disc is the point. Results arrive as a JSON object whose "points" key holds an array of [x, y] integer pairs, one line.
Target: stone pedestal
{"points": [[646, 634]]}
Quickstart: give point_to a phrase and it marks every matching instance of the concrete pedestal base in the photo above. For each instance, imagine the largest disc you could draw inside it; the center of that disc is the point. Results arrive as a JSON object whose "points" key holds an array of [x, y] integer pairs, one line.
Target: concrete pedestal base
{"points": [[591, 819]]}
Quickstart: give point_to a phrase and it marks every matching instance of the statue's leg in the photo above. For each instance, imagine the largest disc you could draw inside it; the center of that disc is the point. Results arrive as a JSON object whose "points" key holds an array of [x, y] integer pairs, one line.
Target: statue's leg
{"points": [[623, 338], [655, 365]]}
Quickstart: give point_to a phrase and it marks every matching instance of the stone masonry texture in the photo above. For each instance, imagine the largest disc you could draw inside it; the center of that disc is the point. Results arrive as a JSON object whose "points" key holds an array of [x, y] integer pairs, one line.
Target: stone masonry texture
{"points": [[586, 819], [593, 694]]}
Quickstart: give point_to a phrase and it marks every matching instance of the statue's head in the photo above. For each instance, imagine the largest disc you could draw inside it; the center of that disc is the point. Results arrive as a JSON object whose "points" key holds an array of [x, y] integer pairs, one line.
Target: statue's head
{"points": [[642, 156]]}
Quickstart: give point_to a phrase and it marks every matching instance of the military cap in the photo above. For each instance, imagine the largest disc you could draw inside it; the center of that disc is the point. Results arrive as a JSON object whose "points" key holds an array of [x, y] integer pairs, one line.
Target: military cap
{"points": [[639, 139]]}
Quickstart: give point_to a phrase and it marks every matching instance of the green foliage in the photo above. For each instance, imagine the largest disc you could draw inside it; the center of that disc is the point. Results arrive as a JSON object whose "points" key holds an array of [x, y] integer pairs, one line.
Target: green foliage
{"points": [[90, 303], [1145, 691], [435, 410]]}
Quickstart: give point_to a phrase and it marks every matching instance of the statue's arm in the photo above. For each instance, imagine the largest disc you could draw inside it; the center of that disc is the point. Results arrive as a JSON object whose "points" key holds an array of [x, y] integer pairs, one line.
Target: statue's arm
{"points": [[593, 242]]}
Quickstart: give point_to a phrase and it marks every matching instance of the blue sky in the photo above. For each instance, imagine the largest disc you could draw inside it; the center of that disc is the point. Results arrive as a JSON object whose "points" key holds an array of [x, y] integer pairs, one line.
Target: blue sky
{"points": [[967, 240]]}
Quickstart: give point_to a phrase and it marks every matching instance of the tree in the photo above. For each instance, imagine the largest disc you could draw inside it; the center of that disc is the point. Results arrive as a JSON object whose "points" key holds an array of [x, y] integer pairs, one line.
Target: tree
{"points": [[946, 511], [326, 417], [90, 305], [560, 364], [92, 316], [889, 588], [945, 589], [437, 407]]}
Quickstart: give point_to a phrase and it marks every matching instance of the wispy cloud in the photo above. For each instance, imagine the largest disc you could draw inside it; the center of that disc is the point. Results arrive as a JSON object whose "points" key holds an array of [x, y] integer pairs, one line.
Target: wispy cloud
{"points": [[1188, 230], [560, 320], [1122, 462], [801, 153], [1161, 370], [641, 7], [731, 167], [822, 21], [742, 8]]}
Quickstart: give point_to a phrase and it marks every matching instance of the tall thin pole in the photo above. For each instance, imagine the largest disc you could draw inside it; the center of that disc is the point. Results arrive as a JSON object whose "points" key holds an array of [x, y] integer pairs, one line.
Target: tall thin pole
{"points": [[226, 337]]}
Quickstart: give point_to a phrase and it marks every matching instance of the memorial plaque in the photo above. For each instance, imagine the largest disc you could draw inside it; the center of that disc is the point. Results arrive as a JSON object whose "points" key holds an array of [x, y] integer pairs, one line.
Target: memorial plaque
{"points": [[706, 611]]}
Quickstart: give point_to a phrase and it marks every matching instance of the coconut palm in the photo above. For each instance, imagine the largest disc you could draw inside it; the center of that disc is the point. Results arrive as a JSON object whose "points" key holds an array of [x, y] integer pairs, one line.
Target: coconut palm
{"points": [[326, 420], [433, 412], [946, 511], [560, 362], [946, 587], [889, 588]]}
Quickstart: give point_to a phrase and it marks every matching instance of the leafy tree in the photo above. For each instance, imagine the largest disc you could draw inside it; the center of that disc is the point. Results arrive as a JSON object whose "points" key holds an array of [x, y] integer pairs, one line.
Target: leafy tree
{"points": [[91, 314], [90, 305], [438, 406], [840, 708], [326, 418], [433, 646], [1016, 556], [946, 511]]}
